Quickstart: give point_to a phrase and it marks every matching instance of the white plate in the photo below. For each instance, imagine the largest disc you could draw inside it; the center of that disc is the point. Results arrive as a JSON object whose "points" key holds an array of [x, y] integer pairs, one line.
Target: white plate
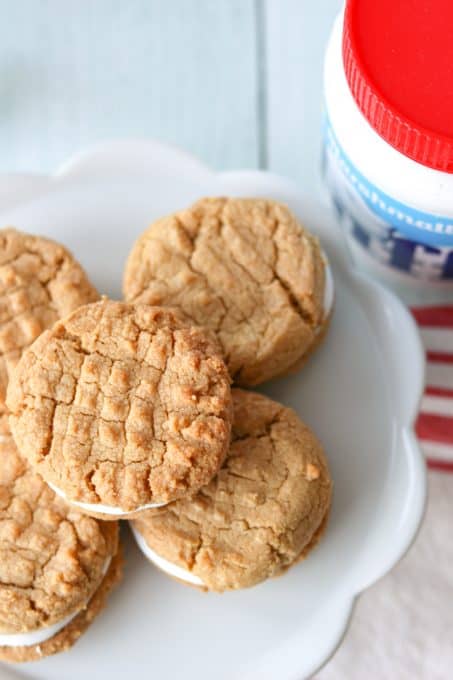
{"points": [[360, 393]]}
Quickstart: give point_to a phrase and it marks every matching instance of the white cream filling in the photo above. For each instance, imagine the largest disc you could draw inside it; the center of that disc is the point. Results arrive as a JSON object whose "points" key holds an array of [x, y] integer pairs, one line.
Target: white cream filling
{"points": [[329, 289], [163, 564], [35, 637], [104, 509]]}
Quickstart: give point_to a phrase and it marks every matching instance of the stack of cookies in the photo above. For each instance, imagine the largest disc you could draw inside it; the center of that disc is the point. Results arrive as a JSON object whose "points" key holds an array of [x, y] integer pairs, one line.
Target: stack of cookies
{"points": [[252, 277], [125, 410], [57, 564]]}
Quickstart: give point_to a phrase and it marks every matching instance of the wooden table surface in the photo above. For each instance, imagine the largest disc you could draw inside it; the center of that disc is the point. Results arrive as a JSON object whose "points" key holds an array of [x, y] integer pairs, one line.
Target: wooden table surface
{"points": [[236, 82]]}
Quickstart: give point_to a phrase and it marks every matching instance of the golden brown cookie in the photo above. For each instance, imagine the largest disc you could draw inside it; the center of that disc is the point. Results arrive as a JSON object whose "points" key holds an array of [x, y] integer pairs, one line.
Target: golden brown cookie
{"points": [[246, 269], [122, 406], [57, 565], [40, 282], [264, 511]]}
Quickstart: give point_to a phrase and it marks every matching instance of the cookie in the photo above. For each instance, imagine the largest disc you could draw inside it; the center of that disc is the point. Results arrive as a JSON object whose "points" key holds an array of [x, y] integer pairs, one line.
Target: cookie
{"points": [[244, 268], [122, 407], [265, 510], [57, 565], [40, 282]]}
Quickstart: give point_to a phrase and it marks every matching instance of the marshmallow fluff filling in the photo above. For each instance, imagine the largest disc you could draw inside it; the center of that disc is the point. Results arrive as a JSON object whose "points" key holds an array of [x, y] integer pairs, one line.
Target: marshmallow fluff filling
{"points": [[36, 637], [329, 289], [104, 509], [163, 564]]}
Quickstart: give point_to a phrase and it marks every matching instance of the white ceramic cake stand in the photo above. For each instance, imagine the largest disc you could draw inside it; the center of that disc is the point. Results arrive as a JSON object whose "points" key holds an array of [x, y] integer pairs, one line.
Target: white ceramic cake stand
{"points": [[360, 393]]}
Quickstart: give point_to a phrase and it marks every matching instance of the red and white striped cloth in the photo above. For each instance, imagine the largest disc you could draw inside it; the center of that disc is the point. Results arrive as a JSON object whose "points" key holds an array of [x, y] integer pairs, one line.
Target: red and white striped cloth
{"points": [[435, 422]]}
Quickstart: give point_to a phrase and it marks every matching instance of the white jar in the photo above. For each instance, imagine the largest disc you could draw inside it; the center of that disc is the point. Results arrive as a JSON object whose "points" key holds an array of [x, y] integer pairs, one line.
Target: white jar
{"points": [[397, 212]]}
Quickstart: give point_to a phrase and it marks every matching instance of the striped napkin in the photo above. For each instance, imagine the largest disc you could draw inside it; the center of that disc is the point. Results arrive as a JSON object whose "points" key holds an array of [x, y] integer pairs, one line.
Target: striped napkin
{"points": [[402, 626], [435, 422]]}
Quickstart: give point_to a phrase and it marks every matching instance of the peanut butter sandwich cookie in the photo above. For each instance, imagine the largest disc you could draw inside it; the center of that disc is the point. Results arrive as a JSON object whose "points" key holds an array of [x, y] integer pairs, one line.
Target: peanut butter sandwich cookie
{"points": [[122, 408], [40, 282], [57, 565], [247, 270], [265, 510]]}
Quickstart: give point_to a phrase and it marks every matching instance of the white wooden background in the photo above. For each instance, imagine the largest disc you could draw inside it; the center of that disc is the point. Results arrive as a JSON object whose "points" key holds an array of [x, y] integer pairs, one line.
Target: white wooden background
{"points": [[237, 82]]}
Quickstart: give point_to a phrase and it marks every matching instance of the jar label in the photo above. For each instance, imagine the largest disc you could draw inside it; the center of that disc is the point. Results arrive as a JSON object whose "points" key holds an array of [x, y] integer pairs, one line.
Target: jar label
{"points": [[395, 234]]}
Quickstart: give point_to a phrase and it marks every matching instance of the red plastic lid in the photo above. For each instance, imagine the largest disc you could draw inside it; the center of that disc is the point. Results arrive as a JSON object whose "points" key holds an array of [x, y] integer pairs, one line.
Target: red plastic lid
{"points": [[398, 60]]}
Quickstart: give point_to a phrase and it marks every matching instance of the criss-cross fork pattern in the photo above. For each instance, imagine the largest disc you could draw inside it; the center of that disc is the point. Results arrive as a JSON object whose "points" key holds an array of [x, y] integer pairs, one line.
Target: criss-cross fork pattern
{"points": [[122, 405]]}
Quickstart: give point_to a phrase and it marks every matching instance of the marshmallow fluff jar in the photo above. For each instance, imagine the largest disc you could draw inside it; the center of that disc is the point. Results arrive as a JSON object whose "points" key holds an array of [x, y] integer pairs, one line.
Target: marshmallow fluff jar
{"points": [[388, 141]]}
